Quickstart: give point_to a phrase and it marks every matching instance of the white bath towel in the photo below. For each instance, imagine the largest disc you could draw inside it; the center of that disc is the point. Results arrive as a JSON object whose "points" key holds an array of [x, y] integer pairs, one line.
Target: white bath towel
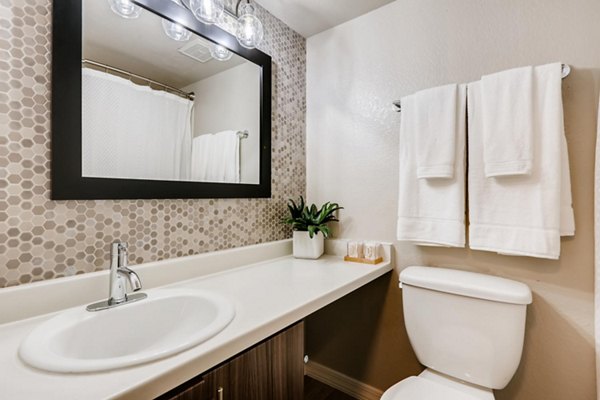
{"points": [[507, 122], [527, 214], [430, 211], [567, 215], [437, 121], [216, 157]]}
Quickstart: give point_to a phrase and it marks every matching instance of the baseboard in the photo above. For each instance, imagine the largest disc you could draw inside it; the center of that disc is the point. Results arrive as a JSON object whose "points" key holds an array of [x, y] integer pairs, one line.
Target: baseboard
{"points": [[341, 382]]}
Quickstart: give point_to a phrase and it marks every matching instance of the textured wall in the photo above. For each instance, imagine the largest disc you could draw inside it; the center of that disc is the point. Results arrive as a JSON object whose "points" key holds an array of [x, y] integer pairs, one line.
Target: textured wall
{"points": [[43, 239], [354, 72], [597, 258]]}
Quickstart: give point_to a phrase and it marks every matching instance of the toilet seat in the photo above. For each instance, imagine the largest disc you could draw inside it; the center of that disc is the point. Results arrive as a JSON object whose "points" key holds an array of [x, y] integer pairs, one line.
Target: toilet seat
{"points": [[417, 388]]}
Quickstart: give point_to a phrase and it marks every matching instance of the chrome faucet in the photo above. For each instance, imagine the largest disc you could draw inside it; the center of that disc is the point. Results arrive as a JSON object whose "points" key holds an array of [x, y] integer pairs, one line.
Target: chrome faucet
{"points": [[120, 274]]}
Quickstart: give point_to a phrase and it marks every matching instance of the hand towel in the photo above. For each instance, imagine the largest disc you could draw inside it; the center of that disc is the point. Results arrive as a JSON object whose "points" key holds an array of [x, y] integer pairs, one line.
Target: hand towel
{"points": [[430, 211], [201, 146], [436, 125], [507, 107], [526, 214], [567, 216], [231, 156], [216, 157]]}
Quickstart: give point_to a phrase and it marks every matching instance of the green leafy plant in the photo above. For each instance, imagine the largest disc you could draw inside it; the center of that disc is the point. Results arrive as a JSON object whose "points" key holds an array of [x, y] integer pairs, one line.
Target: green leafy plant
{"points": [[305, 218]]}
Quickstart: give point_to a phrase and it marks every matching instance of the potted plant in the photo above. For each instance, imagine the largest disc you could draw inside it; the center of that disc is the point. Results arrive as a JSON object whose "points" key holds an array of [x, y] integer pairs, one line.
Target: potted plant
{"points": [[310, 227]]}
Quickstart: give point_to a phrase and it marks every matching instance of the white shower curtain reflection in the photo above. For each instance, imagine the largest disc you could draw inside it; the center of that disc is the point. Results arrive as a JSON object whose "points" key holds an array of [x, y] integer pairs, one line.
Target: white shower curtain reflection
{"points": [[132, 131], [216, 157]]}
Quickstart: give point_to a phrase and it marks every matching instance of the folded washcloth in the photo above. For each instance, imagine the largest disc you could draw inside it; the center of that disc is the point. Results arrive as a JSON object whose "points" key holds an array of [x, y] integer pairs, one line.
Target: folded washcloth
{"points": [[525, 214], [431, 211], [437, 121], [507, 107]]}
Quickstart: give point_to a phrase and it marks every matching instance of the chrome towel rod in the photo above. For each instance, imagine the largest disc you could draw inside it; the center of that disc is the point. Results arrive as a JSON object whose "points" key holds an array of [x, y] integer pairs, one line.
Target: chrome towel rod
{"points": [[566, 70], [243, 134]]}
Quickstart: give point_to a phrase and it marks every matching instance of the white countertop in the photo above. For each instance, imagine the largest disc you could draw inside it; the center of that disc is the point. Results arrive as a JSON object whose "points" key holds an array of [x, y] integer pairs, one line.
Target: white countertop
{"points": [[268, 296]]}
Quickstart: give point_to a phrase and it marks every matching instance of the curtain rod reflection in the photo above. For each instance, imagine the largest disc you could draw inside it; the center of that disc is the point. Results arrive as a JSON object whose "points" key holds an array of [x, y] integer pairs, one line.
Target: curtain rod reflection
{"points": [[167, 88]]}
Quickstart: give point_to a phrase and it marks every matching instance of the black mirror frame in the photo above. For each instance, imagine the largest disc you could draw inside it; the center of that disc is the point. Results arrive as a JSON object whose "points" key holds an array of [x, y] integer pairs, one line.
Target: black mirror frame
{"points": [[67, 181]]}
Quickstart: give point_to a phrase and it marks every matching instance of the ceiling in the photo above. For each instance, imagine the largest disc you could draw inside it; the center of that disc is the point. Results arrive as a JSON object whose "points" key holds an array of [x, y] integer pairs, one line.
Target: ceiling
{"points": [[309, 17], [140, 46]]}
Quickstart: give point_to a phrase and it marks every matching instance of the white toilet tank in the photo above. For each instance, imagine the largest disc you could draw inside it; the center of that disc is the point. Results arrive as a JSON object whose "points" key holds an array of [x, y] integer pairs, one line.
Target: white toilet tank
{"points": [[466, 325]]}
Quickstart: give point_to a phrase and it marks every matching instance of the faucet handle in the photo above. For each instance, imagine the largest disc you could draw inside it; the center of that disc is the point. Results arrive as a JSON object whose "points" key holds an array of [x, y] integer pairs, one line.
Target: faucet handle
{"points": [[123, 255], [117, 246], [118, 252]]}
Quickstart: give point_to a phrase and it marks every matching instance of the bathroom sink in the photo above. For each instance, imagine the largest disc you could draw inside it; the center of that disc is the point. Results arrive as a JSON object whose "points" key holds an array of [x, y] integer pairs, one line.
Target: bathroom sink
{"points": [[167, 322]]}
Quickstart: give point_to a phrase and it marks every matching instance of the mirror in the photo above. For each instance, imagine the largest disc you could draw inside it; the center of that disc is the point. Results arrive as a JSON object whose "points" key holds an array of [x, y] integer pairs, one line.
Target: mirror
{"points": [[165, 107], [168, 107]]}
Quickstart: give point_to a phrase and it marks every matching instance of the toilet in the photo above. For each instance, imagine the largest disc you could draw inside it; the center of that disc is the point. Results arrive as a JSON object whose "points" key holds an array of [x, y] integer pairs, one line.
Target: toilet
{"points": [[466, 328]]}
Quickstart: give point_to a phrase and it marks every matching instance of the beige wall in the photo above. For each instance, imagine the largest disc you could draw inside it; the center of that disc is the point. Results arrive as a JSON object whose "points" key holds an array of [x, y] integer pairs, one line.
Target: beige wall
{"points": [[354, 72]]}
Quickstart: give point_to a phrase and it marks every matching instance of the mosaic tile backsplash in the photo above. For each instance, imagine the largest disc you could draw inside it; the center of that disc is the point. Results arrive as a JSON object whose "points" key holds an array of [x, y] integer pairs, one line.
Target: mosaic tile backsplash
{"points": [[44, 239]]}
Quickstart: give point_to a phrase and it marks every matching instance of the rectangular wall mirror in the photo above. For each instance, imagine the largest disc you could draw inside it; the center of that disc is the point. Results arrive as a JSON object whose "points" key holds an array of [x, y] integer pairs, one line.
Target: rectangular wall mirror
{"points": [[157, 106]]}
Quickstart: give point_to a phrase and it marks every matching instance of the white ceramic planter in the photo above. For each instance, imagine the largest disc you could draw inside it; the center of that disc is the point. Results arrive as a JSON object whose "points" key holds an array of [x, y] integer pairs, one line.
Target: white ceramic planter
{"points": [[305, 247]]}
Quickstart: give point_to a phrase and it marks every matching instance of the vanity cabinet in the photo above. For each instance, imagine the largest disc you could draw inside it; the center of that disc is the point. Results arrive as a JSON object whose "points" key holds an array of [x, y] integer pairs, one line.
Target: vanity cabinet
{"points": [[271, 370], [208, 386]]}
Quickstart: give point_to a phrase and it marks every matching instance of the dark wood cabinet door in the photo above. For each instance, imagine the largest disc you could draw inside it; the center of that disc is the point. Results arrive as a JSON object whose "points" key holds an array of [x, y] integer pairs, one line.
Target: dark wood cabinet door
{"points": [[271, 370], [217, 384], [287, 364], [250, 375], [209, 386], [194, 392]]}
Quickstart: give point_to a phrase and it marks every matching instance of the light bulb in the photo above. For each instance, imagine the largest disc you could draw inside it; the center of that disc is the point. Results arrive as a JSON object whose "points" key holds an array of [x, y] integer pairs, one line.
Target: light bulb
{"points": [[220, 53], [174, 30], [207, 11], [249, 30], [125, 8]]}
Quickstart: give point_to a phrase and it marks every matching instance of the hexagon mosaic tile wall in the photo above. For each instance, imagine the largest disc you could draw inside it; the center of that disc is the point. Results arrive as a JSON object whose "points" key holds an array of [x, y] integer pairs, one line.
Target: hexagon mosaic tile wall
{"points": [[44, 239]]}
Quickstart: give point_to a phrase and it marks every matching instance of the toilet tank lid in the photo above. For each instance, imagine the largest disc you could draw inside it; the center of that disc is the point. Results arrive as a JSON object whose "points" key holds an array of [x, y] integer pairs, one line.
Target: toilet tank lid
{"points": [[468, 284]]}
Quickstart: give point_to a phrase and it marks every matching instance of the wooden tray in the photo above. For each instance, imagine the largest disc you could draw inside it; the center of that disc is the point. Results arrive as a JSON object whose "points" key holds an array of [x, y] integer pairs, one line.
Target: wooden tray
{"points": [[363, 260]]}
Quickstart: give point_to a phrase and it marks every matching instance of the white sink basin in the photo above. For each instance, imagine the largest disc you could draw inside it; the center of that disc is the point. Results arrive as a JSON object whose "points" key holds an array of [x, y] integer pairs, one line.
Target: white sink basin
{"points": [[167, 322]]}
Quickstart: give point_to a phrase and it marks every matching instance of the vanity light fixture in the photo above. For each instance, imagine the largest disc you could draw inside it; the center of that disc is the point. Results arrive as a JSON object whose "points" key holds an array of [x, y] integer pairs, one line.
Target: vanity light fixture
{"points": [[220, 53], [207, 11], [125, 8], [249, 31], [174, 30]]}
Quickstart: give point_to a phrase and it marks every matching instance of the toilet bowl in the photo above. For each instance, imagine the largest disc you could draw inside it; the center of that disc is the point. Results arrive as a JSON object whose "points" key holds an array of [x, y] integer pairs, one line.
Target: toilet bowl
{"points": [[466, 328]]}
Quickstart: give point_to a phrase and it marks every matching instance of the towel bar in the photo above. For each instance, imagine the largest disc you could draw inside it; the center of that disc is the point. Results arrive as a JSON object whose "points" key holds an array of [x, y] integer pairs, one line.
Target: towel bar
{"points": [[565, 69]]}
